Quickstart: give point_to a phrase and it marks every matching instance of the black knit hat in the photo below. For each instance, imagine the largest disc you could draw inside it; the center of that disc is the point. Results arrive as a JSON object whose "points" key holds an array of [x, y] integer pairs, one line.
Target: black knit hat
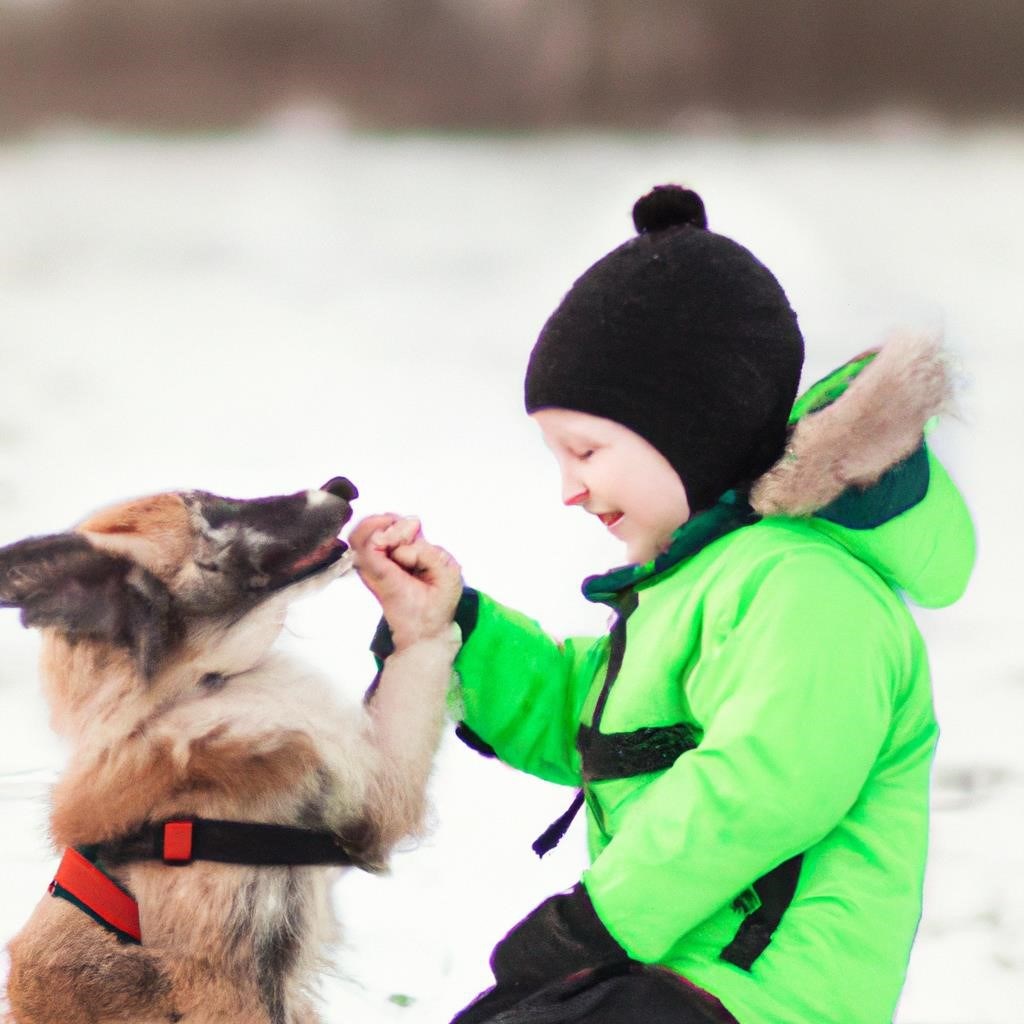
{"points": [[683, 336]]}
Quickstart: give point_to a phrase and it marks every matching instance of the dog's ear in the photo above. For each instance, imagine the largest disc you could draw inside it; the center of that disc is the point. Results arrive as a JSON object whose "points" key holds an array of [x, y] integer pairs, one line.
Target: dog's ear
{"points": [[64, 582]]}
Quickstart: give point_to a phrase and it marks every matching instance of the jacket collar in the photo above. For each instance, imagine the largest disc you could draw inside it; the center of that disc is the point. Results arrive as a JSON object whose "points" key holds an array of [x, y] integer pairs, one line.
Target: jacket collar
{"points": [[852, 428], [854, 457], [729, 513]]}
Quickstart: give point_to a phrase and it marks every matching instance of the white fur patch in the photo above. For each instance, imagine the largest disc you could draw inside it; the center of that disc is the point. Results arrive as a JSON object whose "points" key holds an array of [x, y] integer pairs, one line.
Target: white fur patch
{"points": [[318, 497]]}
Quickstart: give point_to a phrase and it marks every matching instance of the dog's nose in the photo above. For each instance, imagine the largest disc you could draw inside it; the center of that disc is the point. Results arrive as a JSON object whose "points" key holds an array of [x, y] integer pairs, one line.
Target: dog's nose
{"points": [[341, 487]]}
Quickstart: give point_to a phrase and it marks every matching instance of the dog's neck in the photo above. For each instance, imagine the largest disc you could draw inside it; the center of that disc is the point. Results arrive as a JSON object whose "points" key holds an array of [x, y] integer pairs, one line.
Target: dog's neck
{"points": [[96, 692], [85, 683]]}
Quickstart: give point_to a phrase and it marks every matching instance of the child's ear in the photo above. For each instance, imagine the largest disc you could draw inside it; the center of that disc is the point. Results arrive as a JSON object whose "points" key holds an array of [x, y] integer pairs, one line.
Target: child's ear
{"points": [[64, 582]]}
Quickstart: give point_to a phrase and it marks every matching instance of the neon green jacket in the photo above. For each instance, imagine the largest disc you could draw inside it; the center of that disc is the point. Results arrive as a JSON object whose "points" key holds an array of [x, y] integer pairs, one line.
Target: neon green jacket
{"points": [[754, 739]]}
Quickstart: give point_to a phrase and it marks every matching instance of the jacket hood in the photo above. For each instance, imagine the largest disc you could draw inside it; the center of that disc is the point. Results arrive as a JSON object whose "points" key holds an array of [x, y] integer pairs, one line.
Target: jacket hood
{"points": [[857, 468]]}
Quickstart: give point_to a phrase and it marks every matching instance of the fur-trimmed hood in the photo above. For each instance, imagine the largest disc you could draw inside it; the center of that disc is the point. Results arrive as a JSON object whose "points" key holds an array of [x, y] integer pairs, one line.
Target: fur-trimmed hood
{"points": [[858, 467]]}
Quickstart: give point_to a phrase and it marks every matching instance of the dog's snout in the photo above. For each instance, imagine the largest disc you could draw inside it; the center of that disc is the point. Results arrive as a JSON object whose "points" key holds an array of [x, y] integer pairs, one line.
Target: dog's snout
{"points": [[272, 559], [341, 487]]}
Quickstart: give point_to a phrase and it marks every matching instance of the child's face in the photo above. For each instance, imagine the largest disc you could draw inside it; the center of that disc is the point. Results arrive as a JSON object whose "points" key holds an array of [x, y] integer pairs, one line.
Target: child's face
{"points": [[617, 476]]}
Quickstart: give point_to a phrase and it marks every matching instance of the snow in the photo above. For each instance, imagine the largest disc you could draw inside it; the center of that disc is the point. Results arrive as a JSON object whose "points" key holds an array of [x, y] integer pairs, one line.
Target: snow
{"points": [[254, 314]]}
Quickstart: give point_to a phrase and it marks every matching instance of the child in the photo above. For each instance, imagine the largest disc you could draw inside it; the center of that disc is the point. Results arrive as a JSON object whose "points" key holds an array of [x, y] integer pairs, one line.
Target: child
{"points": [[753, 737]]}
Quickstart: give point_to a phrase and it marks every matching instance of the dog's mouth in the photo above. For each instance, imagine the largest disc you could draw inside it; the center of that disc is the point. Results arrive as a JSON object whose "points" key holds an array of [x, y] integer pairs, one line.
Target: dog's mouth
{"points": [[321, 557], [326, 554], [330, 550]]}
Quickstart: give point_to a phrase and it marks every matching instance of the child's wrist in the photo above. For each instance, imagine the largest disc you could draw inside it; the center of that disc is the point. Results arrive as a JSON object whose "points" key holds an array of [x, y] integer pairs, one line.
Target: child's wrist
{"points": [[405, 637]]}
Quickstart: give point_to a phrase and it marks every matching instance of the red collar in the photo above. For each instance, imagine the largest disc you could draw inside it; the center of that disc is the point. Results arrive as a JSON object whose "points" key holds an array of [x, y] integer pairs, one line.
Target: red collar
{"points": [[81, 882]]}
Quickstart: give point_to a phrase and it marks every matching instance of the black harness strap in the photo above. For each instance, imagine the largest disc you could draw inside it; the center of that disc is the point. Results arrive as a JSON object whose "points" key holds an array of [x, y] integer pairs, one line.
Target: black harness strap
{"points": [[621, 755], [617, 652], [775, 890], [81, 880], [555, 832], [182, 841]]}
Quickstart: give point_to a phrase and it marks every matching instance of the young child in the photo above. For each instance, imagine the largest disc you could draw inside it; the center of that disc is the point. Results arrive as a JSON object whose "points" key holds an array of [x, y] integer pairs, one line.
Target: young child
{"points": [[753, 737]]}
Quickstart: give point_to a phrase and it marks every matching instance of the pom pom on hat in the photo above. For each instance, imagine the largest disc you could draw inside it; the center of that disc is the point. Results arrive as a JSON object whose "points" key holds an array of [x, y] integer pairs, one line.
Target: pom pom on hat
{"points": [[668, 206]]}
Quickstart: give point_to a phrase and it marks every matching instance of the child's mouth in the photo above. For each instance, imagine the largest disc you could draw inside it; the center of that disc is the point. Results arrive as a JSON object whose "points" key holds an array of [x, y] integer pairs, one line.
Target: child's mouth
{"points": [[610, 519]]}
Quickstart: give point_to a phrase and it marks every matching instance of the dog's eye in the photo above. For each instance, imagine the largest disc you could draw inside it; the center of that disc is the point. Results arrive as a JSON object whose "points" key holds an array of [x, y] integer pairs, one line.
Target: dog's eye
{"points": [[208, 566]]}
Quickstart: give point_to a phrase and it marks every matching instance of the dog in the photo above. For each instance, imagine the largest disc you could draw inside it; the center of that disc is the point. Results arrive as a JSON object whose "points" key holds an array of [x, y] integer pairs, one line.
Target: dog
{"points": [[211, 778]]}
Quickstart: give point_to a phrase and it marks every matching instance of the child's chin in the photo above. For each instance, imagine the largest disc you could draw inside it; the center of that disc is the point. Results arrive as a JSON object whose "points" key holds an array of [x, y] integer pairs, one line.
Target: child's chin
{"points": [[637, 554], [640, 550]]}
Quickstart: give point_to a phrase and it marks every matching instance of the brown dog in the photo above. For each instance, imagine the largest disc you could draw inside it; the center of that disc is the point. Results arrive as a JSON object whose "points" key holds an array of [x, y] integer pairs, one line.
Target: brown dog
{"points": [[159, 618]]}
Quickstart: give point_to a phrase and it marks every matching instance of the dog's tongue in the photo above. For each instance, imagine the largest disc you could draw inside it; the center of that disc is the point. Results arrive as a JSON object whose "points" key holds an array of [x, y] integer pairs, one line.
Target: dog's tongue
{"points": [[318, 555]]}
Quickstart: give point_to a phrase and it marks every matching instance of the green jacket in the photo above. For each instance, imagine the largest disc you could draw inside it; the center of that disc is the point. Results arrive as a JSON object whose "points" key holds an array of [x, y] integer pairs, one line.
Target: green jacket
{"points": [[754, 740]]}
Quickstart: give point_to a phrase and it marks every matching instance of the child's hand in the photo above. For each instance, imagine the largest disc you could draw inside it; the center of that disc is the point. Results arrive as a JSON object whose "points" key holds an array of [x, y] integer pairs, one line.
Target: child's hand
{"points": [[417, 583]]}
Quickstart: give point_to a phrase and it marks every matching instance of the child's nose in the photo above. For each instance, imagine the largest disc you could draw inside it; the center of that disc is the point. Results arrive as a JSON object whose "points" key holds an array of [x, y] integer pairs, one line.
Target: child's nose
{"points": [[572, 495]]}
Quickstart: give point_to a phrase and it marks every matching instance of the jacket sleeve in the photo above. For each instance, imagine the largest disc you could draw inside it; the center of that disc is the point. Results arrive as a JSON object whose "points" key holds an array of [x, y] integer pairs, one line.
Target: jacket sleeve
{"points": [[521, 690], [795, 697]]}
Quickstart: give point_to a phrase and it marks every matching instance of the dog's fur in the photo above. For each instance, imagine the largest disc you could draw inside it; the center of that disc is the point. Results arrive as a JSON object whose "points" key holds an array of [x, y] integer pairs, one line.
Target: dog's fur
{"points": [[158, 619], [875, 424]]}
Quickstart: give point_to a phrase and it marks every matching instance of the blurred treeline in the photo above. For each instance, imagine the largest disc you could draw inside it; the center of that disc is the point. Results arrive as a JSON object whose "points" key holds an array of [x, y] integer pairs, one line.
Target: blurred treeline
{"points": [[505, 64]]}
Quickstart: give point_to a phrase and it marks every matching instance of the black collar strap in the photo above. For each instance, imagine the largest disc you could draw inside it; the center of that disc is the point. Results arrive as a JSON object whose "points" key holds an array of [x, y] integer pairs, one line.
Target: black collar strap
{"points": [[82, 882], [181, 841]]}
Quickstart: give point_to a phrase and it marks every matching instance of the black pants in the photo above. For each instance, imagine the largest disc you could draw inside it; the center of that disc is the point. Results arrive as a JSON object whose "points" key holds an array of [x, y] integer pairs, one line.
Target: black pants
{"points": [[622, 994]]}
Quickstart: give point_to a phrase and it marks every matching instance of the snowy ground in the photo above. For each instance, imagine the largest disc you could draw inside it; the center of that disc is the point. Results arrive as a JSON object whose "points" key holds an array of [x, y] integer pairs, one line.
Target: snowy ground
{"points": [[255, 314]]}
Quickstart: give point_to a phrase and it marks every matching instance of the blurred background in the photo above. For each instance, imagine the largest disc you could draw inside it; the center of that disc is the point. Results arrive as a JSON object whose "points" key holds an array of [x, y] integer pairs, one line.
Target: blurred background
{"points": [[247, 245], [509, 64]]}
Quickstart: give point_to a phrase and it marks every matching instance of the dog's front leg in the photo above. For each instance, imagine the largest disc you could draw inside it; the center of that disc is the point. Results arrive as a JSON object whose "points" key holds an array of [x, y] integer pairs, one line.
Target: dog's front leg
{"points": [[407, 714]]}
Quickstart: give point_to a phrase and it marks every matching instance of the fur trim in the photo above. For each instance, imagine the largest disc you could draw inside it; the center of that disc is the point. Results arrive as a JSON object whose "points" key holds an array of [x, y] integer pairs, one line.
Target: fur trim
{"points": [[877, 422]]}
